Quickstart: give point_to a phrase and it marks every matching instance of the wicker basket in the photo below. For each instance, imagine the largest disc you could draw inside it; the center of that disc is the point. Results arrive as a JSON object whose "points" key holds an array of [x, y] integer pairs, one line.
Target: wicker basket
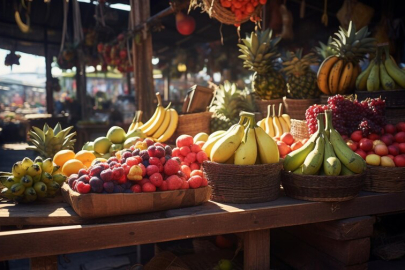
{"points": [[296, 108], [320, 188], [262, 104], [243, 183], [385, 179], [217, 11], [299, 129], [192, 124]]}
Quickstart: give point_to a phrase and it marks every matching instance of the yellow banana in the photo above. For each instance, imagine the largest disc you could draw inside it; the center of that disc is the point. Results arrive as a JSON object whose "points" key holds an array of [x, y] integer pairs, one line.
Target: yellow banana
{"points": [[23, 27], [30, 194], [346, 78], [334, 77], [154, 116], [18, 170], [162, 128], [345, 170], [393, 70], [156, 124], [136, 122], [26, 163], [287, 119], [40, 189], [276, 123], [350, 159], [356, 72], [246, 153], [174, 119], [283, 124], [262, 123], [47, 166], [386, 81], [17, 189], [266, 147], [226, 146], [373, 80], [202, 136], [207, 147], [331, 164], [216, 133], [323, 74], [361, 81], [295, 159], [268, 123], [314, 160]]}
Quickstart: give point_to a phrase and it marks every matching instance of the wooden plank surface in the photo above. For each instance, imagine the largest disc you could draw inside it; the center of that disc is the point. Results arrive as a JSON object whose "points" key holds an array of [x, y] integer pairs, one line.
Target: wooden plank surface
{"points": [[44, 263], [348, 252], [256, 246], [344, 229], [208, 219], [300, 255]]}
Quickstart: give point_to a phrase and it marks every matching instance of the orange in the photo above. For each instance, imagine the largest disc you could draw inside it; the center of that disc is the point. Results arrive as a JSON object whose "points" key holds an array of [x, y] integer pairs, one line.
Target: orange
{"points": [[72, 166], [86, 157], [62, 156]]}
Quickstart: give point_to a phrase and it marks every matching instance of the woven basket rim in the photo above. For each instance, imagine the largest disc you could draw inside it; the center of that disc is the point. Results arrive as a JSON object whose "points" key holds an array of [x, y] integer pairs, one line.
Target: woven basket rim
{"points": [[310, 176]]}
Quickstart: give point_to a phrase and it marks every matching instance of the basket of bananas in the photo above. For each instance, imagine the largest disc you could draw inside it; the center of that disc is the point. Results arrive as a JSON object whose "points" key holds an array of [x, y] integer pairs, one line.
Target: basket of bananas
{"points": [[244, 164], [324, 168]]}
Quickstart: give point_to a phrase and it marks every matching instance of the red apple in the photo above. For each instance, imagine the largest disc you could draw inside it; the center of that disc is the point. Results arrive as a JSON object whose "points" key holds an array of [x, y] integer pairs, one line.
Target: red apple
{"points": [[353, 145], [386, 138], [381, 150], [373, 136], [393, 150], [366, 144], [400, 126], [390, 128], [399, 161], [400, 137], [361, 153], [356, 136], [287, 138], [391, 157], [401, 147], [395, 144]]}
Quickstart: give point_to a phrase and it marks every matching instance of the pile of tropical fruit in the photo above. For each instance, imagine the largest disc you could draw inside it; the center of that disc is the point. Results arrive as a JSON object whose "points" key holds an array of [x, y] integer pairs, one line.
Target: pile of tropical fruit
{"points": [[338, 72], [381, 73], [244, 143], [325, 153]]}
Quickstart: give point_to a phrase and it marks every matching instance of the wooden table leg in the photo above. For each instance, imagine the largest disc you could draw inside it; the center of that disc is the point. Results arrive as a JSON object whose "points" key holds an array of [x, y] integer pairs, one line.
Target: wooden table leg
{"points": [[44, 263], [256, 246]]}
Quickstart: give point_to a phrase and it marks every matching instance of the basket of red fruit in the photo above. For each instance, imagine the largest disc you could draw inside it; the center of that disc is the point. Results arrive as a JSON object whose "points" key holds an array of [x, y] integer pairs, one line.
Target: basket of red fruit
{"points": [[145, 178], [230, 12]]}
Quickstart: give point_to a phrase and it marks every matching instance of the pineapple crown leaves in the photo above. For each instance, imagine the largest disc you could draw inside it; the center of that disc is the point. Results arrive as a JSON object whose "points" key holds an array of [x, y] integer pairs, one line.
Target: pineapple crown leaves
{"points": [[297, 65], [259, 51], [325, 50], [353, 45], [49, 140]]}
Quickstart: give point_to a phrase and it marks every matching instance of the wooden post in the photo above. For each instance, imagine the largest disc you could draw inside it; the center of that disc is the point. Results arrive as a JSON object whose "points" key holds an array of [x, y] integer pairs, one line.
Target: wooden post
{"points": [[81, 84], [48, 72], [256, 246], [142, 58]]}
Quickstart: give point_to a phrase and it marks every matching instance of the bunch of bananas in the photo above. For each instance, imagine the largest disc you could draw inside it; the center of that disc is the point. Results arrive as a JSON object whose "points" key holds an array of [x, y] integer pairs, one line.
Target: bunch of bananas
{"points": [[163, 123], [381, 73], [274, 125], [30, 180], [325, 153], [244, 143], [136, 122]]}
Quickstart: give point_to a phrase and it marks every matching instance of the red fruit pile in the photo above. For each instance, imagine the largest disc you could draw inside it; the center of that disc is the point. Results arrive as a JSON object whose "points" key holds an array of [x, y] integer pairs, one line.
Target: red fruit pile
{"points": [[390, 144], [115, 55], [287, 144], [189, 153], [349, 115], [243, 9], [134, 170]]}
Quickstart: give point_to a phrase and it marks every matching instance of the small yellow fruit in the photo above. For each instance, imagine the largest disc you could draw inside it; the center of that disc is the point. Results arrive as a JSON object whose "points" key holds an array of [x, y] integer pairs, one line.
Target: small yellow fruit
{"points": [[387, 162], [202, 136], [72, 166], [86, 157], [373, 159], [63, 156]]}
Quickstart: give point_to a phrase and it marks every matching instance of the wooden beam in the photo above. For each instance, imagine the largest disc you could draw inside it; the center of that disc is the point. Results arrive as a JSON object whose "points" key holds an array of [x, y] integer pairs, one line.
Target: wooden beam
{"points": [[44, 263], [256, 246], [48, 71]]}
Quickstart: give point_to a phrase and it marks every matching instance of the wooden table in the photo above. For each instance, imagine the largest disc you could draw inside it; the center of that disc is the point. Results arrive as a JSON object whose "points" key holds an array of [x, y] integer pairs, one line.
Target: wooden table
{"points": [[51, 229]]}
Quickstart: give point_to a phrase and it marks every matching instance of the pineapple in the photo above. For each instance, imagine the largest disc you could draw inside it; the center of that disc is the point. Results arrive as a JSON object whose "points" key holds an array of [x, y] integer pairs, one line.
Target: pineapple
{"points": [[228, 103], [49, 141], [325, 50], [259, 53], [301, 80], [351, 45]]}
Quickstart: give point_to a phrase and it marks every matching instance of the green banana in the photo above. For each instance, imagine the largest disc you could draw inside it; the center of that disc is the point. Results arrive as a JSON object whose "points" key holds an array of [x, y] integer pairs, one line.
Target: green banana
{"points": [[46, 177], [386, 81], [331, 164], [314, 160], [345, 171], [59, 178], [373, 80], [361, 81], [392, 69], [350, 159], [298, 170]]}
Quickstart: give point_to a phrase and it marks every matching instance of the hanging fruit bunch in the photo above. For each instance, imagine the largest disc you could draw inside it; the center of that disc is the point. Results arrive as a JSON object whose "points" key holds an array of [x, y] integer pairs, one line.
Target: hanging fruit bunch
{"points": [[12, 59], [243, 9], [185, 24], [116, 54]]}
